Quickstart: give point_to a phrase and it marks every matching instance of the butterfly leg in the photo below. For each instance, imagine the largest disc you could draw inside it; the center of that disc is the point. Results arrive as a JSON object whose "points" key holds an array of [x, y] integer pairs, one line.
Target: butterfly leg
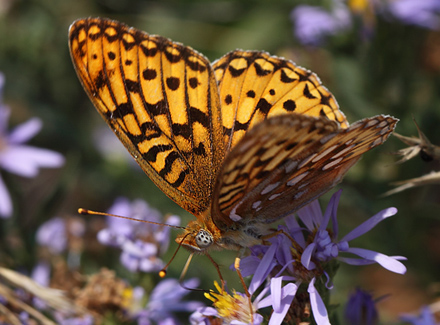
{"points": [[218, 270]]}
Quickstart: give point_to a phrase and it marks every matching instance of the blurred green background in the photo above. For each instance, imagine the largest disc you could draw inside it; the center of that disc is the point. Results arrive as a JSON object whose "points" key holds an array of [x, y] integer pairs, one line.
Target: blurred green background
{"points": [[395, 71]]}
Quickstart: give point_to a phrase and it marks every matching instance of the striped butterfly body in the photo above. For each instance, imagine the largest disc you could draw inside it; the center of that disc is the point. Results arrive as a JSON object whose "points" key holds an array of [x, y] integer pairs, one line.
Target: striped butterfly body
{"points": [[239, 144]]}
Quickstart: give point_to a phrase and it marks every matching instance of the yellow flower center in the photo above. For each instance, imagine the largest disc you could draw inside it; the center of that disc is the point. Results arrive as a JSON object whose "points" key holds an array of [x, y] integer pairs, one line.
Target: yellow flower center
{"points": [[231, 307]]}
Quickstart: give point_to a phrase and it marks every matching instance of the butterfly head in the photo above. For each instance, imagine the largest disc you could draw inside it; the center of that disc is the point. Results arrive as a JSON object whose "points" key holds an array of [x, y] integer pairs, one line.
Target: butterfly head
{"points": [[197, 237]]}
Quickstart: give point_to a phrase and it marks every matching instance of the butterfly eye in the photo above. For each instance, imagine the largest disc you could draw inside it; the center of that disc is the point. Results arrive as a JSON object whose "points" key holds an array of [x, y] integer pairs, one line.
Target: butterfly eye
{"points": [[204, 238]]}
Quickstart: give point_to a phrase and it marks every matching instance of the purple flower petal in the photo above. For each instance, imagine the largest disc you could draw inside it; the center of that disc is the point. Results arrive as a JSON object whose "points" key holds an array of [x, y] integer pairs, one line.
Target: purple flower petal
{"points": [[5, 201], [25, 160], [423, 13], [129, 262], [41, 274], [107, 237], [313, 24], [284, 253], [200, 316], [52, 234], [369, 224], [248, 265], [263, 269], [294, 230], [311, 215], [150, 265], [330, 211], [361, 309], [385, 261], [287, 295], [25, 131], [318, 308], [5, 112], [306, 257], [334, 201], [426, 318], [275, 289]]}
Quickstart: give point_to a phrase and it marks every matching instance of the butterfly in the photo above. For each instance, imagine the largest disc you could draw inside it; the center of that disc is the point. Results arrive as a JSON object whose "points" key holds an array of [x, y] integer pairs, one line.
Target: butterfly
{"points": [[239, 143]]}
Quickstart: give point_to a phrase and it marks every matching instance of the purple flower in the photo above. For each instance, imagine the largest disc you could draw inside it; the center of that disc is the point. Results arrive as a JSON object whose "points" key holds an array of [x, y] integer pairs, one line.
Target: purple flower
{"points": [[423, 13], [361, 309], [305, 259], [41, 274], [425, 318], [313, 24], [326, 247], [166, 299], [17, 158], [141, 242], [54, 233]]}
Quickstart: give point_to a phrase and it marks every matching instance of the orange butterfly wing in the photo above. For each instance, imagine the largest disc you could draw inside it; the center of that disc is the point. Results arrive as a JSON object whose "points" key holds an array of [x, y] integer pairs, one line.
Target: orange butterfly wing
{"points": [[161, 100], [254, 86]]}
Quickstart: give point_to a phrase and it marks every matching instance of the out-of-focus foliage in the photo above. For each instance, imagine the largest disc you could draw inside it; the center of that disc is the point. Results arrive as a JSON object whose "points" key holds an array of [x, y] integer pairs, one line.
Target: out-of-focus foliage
{"points": [[377, 64]]}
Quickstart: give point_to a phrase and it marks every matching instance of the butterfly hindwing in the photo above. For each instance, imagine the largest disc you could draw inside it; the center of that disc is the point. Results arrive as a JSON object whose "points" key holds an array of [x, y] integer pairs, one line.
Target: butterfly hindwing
{"points": [[161, 100], [287, 161]]}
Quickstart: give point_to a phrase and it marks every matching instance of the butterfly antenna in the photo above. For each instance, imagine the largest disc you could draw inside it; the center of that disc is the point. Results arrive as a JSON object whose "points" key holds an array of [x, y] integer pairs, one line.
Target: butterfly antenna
{"points": [[96, 213], [163, 272]]}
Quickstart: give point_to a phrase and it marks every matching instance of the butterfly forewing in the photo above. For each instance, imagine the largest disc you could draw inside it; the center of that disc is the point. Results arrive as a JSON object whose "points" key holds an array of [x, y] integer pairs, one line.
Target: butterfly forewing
{"points": [[287, 161], [254, 85], [161, 100]]}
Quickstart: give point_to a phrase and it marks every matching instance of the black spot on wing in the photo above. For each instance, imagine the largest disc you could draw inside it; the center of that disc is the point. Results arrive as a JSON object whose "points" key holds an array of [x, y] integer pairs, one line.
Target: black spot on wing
{"points": [[260, 71], [197, 115], [181, 130], [289, 105], [101, 80], [285, 79], [307, 93], [180, 179], [111, 55], [236, 72], [149, 52], [169, 160], [250, 94], [149, 74], [151, 155], [172, 58], [151, 129], [325, 100], [193, 82], [263, 106], [159, 108], [173, 83], [200, 150], [132, 86]]}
